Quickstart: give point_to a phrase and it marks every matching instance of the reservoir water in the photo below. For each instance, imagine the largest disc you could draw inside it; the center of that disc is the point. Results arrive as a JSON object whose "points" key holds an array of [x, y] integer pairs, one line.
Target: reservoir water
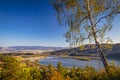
{"points": [[68, 62]]}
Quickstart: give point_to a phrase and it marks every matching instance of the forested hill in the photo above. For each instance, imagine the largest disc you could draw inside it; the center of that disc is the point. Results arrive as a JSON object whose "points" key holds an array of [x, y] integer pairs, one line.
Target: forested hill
{"points": [[110, 50]]}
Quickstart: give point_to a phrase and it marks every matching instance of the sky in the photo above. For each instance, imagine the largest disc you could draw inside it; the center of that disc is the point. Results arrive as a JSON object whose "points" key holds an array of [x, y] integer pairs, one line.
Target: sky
{"points": [[33, 23], [29, 23]]}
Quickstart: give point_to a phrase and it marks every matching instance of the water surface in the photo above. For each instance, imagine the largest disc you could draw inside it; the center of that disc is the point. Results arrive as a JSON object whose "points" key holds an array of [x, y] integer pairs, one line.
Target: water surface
{"points": [[68, 62]]}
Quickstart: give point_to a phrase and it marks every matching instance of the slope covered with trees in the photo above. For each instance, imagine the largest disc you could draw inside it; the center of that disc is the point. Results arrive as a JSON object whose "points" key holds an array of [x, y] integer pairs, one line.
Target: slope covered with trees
{"points": [[110, 50], [16, 69]]}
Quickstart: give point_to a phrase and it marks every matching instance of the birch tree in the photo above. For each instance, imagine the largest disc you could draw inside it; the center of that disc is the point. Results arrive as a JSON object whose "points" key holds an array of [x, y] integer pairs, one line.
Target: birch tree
{"points": [[87, 20]]}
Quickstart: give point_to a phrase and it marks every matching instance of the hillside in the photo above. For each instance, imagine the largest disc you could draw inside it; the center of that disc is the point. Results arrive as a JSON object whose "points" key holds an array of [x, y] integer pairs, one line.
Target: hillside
{"points": [[90, 50]]}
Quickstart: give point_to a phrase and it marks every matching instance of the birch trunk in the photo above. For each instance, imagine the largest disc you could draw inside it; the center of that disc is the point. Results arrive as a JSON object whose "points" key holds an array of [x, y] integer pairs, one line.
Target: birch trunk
{"points": [[102, 56]]}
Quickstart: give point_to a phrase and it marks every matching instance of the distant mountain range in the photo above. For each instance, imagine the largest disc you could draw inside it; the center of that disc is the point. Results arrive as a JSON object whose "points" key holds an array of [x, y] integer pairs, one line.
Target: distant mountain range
{"points": [[88, 50], [14, 48]]}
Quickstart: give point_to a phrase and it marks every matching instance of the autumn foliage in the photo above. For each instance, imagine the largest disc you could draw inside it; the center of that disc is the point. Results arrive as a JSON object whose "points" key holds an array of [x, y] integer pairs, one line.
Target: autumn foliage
{"points": [[14, 69]]}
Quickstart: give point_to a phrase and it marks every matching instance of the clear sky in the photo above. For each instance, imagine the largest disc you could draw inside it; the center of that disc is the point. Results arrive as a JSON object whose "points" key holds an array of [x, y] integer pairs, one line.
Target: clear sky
{"points": [[29, 22], [33, 23]]}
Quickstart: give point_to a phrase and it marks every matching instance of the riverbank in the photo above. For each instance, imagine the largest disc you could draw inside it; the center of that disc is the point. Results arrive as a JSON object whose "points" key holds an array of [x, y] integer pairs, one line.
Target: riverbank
{"points": [[35, 58], [30, 58], [84, 58]]}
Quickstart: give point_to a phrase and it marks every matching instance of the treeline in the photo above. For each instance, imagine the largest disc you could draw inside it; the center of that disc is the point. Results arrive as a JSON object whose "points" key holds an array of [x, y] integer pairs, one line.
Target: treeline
{"points": [[17, 69], [110, 50]]}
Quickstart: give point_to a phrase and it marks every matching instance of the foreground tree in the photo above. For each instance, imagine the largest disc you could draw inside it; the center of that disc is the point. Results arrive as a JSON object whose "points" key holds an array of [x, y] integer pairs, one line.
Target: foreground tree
{"points": [[9, 68], [87, 20]]}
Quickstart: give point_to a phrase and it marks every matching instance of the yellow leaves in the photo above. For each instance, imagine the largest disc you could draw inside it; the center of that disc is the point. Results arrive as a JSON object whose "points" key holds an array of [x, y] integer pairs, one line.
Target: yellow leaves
{"points": [[93, 46], [108, 46], [101, 71], [22, 65], [70, 6], [97, 5], [71, 3], [68, 78], [102, 74], [86, 75], [56, 76], [82, 47], [79, 13]]}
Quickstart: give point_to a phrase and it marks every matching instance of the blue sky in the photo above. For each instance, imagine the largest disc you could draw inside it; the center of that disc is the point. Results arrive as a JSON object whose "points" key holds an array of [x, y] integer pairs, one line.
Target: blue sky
{"points": [[33, 23], [29, 22]]}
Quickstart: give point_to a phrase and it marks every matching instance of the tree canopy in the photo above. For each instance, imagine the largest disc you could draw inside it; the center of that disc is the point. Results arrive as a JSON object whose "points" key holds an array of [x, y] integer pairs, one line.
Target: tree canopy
{"points": [[87, 20], [82, 15]]}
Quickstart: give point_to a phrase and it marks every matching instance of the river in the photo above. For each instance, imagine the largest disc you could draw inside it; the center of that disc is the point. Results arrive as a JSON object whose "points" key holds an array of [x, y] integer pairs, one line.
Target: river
{"points": [[68, 62]]}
